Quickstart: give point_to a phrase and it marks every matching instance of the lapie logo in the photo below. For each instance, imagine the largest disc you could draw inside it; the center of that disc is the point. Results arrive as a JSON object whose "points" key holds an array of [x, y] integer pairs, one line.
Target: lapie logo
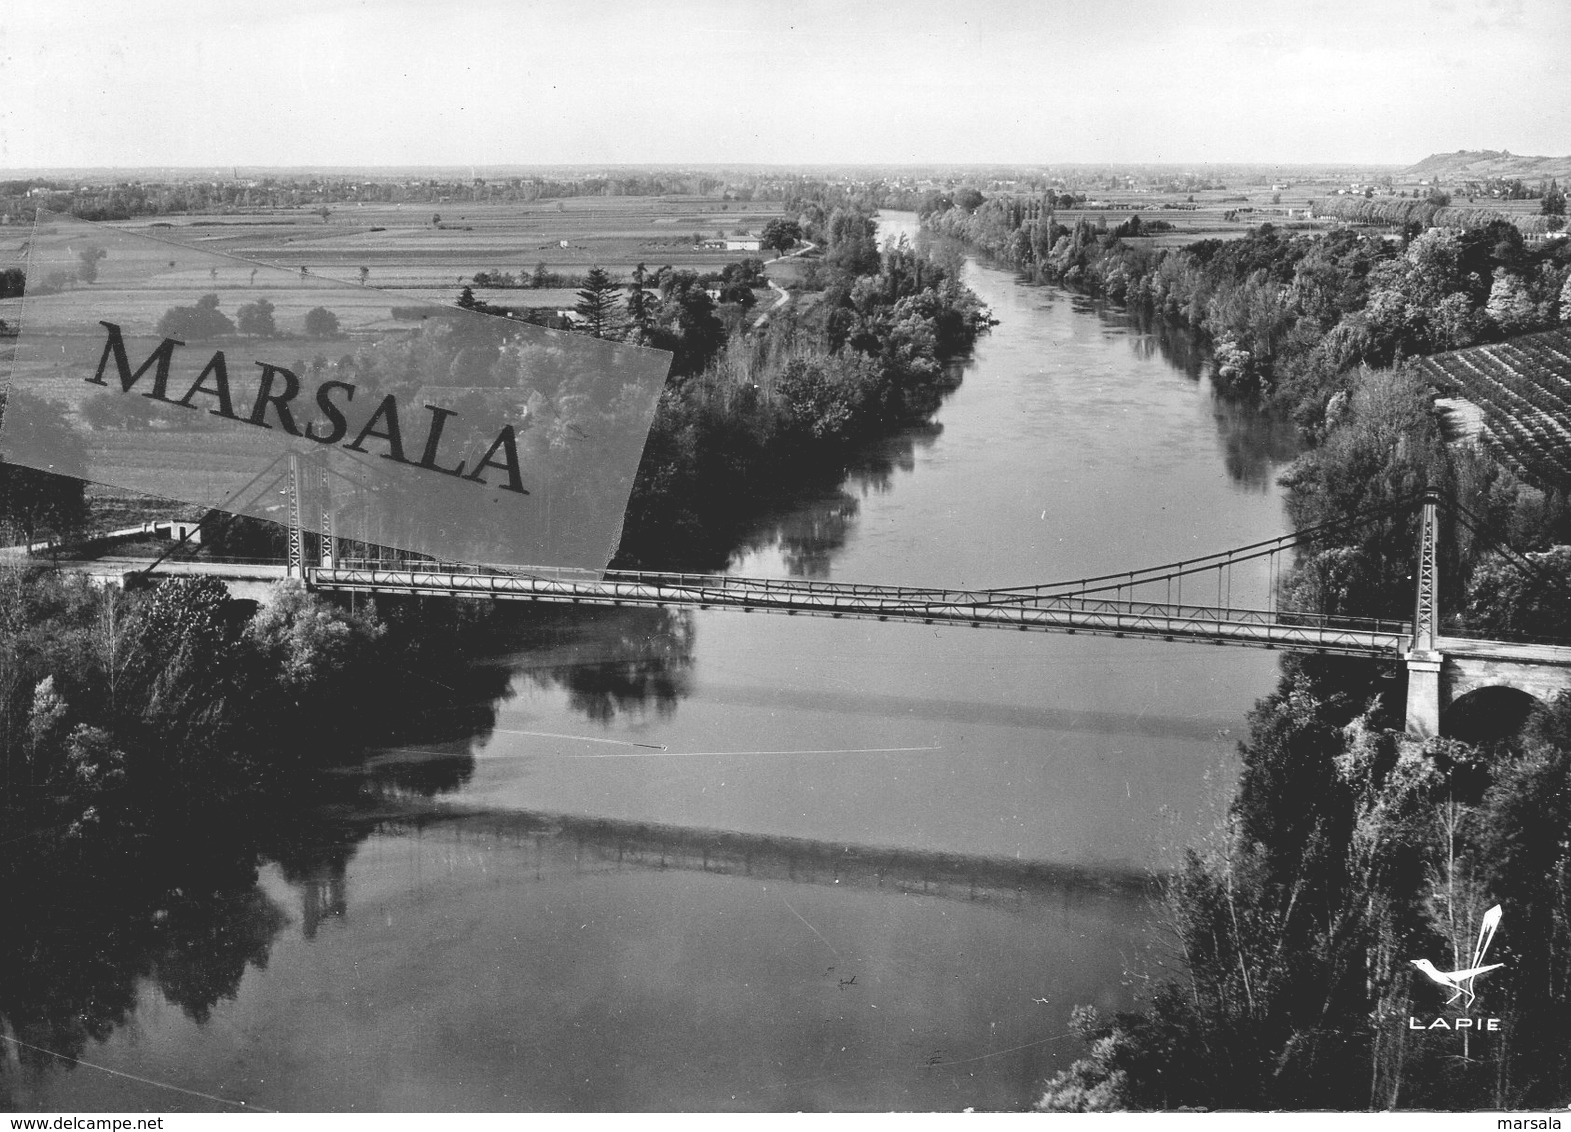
{"points": [[1460, 982]]}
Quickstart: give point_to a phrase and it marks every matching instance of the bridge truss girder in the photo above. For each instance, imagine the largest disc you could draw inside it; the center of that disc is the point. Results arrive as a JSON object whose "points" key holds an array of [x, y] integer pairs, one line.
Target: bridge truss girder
{"points": [[977, 609]]}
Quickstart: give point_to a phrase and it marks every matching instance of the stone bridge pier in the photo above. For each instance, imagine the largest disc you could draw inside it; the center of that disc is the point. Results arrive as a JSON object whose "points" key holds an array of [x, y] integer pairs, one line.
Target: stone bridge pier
{"points": [[1443, 670], [1462, 666]]}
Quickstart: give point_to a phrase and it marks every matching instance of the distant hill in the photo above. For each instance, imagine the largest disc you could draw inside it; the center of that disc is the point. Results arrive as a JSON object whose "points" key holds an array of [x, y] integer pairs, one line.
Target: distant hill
{"points": [[1485, 164]]}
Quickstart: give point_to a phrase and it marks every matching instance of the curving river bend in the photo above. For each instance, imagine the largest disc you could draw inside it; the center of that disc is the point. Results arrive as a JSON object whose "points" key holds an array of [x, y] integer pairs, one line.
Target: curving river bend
{"points": [[576, 942]]}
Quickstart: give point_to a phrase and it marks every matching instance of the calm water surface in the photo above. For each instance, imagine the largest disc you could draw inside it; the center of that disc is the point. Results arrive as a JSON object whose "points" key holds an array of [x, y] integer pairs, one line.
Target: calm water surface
{"points": [[577, 941]]}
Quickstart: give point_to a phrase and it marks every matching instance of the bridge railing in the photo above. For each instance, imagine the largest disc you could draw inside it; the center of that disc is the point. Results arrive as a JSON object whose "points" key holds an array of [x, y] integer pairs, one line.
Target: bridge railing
{"points": [[1512, 637], [1025, 609], [887, 602]]}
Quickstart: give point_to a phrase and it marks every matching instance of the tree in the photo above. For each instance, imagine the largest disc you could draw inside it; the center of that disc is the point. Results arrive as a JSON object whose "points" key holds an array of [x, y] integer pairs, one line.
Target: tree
{"points": [[597, 303], [32, 500], [969, 199], [112, 410], [1504, 598], [315, 649], [196, 322], [640, 304], [687, 325], [852, 244], [1554, 201], [256, 319], [1510, 307], [180, 669], [781, 235], [87, 268], [321, 323]]}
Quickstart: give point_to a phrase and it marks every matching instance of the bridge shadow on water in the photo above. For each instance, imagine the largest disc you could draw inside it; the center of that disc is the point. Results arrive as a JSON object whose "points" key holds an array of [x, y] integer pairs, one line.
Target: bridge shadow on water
{"points": [[88, 936], [188, 910], [597, 844]]}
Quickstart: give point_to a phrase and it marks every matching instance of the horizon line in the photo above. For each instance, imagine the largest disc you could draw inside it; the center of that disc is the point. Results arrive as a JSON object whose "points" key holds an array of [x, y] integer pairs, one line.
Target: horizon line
{"points": [[12, 171]]}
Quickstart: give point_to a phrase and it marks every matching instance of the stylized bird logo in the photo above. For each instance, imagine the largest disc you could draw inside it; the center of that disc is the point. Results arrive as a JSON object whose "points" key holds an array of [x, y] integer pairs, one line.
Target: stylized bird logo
{"points": [[1462, 981]]}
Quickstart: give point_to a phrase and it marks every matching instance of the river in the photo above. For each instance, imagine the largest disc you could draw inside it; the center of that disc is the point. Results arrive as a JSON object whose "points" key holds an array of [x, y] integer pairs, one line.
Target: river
{"points": [[933, 839]]}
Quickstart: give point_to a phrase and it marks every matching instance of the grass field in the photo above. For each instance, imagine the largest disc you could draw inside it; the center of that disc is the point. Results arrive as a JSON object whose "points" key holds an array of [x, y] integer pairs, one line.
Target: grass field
{"points": [[1227, 214], [410, 260], [403, 249]]}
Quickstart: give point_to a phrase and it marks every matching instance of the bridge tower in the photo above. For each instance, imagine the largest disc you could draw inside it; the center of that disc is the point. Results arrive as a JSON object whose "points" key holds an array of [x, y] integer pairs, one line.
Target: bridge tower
{"points": [[300, 473], [296, 567], [329, 543], [1424, 660]]}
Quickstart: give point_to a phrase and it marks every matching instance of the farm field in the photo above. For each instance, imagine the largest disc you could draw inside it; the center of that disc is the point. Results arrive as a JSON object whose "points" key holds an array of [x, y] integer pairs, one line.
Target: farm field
{"points": [[402, 251], [1521, 388], [1220, 214], [298, 263], [411, 255], [1227, 214], [402, 248]]}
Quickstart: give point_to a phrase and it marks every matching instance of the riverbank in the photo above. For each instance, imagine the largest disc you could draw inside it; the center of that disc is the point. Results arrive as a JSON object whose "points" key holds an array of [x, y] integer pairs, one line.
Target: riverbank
{"points": [[784, 408], [1292, 316], [1075, 756], [1350, 848], [746, 421]]}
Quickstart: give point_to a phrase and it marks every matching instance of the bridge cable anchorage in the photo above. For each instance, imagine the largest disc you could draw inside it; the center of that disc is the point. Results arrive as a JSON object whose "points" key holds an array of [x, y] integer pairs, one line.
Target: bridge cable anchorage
{"points": [[228, 515], [1478, 527]]}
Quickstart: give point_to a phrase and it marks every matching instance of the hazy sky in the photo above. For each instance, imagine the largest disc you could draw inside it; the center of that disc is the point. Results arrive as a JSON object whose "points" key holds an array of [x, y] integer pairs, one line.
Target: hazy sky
{"points": [[343, 82]]}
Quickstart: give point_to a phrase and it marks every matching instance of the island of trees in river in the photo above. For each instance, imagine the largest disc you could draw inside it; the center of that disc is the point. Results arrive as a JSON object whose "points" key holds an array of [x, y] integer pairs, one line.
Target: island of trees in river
{"points": [[167, 740]]}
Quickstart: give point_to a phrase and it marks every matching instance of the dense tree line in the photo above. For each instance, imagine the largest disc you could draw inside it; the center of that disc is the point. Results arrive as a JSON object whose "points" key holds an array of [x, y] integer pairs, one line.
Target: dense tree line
{"points": [[1433, 211], [116, 706], [750, 415], [1349, 849], [155, 750], [126, 199], [1293, 317]]}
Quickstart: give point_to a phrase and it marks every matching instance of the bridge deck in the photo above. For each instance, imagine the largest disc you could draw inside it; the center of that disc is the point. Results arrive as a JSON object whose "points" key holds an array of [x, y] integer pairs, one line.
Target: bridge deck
{"points": [[1026, 610], [1513, 652]]}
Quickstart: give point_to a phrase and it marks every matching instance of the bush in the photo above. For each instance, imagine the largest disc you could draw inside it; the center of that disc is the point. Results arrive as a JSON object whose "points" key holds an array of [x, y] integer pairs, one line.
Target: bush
{"points": [[256, 319], [195, 323], [323, 323]]}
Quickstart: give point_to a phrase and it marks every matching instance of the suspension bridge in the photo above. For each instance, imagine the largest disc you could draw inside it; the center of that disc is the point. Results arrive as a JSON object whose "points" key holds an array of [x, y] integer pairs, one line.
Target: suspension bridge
{"points": [[1184, 601]]}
